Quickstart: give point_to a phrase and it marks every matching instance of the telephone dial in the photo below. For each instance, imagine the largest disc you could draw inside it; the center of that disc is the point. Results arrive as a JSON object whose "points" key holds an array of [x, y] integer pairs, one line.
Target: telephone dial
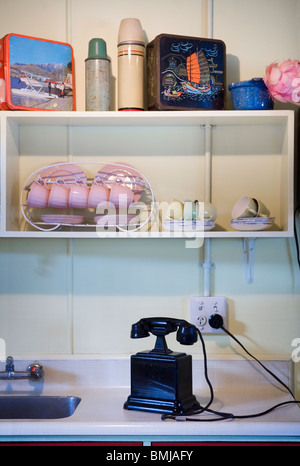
{"points": [[161, 379]]}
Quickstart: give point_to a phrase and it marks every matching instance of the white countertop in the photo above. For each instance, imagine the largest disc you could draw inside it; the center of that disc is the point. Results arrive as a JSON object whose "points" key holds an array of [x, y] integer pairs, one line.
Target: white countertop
{"points": [[240, 387]]}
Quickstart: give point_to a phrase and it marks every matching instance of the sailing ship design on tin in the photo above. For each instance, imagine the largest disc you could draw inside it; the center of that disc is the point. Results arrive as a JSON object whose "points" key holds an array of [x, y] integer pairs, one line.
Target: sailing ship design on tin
{"points": [[192, 74]]}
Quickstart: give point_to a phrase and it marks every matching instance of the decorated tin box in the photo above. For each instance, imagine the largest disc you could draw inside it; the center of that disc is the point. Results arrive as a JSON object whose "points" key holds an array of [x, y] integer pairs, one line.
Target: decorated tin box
{"points": [[185, 73], [36, 74]]}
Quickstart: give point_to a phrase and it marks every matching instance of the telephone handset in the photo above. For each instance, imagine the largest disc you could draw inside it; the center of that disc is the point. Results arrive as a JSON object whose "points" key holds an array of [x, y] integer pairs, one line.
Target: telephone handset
{"points": [[162, 326]]}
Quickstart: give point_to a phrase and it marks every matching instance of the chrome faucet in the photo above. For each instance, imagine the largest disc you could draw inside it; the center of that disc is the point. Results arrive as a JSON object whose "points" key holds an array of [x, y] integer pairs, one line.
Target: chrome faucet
{"points": [[33, 371]]}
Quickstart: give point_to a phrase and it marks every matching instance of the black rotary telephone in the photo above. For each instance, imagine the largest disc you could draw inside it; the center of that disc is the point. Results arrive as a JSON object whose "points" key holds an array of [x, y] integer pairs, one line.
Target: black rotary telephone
{"points": [[161, 380]]}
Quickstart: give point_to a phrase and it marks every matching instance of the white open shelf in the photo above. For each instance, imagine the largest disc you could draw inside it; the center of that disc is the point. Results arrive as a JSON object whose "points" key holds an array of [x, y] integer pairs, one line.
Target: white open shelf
{"points": [[252, 152]]}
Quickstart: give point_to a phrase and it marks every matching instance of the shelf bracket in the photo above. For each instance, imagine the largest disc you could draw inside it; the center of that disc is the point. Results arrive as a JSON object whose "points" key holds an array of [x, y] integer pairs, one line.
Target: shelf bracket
{"points": [[248, 245]]}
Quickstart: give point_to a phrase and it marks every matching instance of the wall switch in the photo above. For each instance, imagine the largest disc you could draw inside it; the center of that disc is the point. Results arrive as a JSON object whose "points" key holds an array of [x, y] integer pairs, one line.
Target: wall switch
{"points": [[202, 308]]}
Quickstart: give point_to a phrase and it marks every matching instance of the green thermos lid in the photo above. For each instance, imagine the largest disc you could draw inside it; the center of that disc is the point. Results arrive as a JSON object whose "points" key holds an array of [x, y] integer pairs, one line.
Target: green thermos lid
{"points": [[97, 48]]}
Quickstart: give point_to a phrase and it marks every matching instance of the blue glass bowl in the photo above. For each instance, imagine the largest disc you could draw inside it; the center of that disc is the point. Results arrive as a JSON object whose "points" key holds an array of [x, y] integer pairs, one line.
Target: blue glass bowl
{"points": [[251, 95]]}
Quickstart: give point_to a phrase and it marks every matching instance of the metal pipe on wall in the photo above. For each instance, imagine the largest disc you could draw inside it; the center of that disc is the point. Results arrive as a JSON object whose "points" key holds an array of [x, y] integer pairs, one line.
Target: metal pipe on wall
{"points": [[207, 265]]}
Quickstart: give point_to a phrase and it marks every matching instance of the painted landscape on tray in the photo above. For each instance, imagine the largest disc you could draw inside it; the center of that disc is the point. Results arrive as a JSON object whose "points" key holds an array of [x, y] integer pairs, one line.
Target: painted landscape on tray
{"points": [[40, 74]]}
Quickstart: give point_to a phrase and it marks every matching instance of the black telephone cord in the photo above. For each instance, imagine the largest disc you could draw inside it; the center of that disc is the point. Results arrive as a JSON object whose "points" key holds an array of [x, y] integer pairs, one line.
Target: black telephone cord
{"points": [[222, 415]]}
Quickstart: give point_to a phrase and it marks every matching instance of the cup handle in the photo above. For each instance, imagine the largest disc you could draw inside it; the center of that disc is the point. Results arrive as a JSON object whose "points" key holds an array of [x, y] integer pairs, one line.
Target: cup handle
{"points": [[80, 182], [61, 182], [98, 180], [253, 212], [42, 182], [261, 215]]}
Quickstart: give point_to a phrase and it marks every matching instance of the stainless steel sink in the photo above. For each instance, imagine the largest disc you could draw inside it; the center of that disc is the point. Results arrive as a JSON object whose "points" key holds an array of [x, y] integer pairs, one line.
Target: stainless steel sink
{"points": [[37, 407]]}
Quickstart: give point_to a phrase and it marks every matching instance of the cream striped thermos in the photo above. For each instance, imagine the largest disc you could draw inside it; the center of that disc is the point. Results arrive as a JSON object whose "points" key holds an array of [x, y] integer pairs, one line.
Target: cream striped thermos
{"points": [[131, 55]]}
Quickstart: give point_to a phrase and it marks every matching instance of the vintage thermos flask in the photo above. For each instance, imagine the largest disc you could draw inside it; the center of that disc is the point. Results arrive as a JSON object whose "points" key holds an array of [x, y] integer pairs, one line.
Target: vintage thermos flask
{"points": [[131, 53], [97, 77]]}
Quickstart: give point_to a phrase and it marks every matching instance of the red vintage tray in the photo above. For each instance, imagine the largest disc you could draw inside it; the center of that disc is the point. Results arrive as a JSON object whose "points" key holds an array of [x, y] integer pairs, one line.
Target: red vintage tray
{"points": [[36, 74]]}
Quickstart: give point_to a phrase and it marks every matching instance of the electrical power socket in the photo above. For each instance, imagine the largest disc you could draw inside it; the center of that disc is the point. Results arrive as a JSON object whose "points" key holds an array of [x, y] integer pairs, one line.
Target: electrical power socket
{"points": [[202, 308]]}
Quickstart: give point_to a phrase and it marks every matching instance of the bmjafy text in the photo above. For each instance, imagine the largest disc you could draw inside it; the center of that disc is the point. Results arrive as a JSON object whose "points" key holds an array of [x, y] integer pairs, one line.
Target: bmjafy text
{"points": [[152, 455]]}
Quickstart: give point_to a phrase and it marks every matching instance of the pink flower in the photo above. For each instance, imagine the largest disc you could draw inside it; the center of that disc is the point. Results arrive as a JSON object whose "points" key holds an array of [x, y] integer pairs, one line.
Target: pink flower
{"points": [[283, 81]]}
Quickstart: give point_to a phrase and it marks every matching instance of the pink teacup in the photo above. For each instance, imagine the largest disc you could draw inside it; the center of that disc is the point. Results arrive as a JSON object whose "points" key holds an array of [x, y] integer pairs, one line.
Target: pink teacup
{"points": [[79, 194], [98, 194], [121, 196], [59, 195], [38, 195]]}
